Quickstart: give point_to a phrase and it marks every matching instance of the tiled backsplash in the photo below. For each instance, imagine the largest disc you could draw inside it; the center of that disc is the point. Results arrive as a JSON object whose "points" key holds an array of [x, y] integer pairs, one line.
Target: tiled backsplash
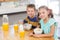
{"points": [[18, 6], [18, 3]]}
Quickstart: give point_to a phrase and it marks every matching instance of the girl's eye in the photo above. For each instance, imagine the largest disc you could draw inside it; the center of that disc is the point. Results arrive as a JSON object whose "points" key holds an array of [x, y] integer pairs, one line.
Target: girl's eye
{"points": [[43, 12]]}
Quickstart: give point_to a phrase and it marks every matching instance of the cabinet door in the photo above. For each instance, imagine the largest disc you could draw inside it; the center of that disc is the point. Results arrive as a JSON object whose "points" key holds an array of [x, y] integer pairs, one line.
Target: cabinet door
{"points": [[10, 0], [1, 0]]}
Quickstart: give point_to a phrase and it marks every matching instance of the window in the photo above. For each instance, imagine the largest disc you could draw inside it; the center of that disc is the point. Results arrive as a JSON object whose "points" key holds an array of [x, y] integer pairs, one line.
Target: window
{"points": [[52, 4], [39, 3]]}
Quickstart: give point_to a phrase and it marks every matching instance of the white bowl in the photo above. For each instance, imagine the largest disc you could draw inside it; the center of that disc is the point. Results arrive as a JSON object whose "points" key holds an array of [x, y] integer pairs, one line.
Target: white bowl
{"points": [[27, 26], [38, 31]]}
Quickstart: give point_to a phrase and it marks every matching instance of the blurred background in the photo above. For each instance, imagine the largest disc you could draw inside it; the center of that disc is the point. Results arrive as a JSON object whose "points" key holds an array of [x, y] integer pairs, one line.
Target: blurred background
{"points": [[16, 9]]}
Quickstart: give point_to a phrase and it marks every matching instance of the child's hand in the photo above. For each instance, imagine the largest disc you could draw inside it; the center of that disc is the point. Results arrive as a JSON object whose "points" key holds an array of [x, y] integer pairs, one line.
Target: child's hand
{"points": [[31, 34], [38, 26], [20, 21], [35, 35]]}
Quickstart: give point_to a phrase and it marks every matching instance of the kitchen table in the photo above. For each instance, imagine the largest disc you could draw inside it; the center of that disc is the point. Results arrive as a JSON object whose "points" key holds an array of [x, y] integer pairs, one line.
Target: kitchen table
{"points": [[14, 35]]}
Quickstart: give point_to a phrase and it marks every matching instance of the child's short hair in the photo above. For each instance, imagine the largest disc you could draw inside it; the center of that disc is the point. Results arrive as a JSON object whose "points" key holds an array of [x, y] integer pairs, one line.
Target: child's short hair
{"points": [[31, 6]]}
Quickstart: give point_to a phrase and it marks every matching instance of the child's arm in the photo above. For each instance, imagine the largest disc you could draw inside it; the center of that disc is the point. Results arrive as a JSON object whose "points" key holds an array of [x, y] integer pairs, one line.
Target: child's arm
{"points": [[38, 26], [47, 35], [25, 21]]}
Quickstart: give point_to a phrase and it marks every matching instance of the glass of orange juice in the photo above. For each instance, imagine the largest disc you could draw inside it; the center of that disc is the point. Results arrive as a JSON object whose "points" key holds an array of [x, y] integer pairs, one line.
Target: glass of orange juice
{"points": [[15, 27], [5, 26], [22, 34]]}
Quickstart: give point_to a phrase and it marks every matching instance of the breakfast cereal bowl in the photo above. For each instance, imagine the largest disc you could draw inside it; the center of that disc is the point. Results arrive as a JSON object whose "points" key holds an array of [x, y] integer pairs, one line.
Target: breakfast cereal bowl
{"points": [[27, 26], [38, 31]]}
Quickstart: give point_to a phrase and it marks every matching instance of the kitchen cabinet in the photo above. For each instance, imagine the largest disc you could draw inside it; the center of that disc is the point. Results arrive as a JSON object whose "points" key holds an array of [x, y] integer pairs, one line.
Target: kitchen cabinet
{"points": [[7, 0], [1, 0]]}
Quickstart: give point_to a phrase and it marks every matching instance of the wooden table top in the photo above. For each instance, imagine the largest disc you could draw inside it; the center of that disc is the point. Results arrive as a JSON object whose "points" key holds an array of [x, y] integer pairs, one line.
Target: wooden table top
{"points": [[11, 35]]}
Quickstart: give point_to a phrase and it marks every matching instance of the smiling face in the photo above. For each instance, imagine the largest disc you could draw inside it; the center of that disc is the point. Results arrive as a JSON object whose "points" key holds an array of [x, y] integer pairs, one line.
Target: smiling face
{"points": [[43, 13], [30, 12]]}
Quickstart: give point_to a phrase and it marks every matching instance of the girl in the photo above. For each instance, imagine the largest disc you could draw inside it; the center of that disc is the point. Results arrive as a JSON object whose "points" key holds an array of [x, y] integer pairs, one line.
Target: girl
{"points": [[48, 24]]}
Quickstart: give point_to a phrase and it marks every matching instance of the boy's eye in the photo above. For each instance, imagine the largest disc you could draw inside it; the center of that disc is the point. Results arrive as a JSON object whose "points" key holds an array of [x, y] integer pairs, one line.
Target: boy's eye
{"points": [[39, 13], [31, 11], [43, 12], [28, 11]]}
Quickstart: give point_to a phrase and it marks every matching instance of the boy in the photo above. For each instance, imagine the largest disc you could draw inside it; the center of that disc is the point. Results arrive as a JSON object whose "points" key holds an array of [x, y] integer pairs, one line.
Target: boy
{"points": [[31, 17]]}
